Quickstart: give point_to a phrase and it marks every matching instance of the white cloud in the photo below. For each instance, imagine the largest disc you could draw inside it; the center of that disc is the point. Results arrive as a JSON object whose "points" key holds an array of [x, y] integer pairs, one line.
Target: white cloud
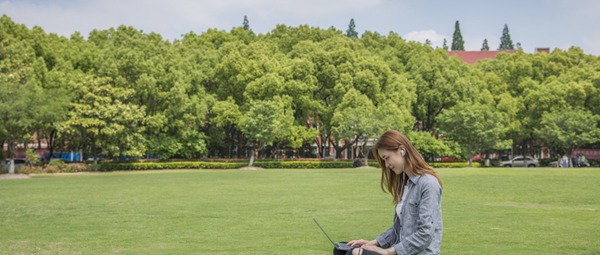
{"points": [[422, 35]]}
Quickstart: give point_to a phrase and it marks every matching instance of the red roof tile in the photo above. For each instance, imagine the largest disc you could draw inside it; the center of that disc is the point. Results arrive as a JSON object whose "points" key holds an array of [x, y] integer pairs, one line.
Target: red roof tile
{"points": [[470, 57]]}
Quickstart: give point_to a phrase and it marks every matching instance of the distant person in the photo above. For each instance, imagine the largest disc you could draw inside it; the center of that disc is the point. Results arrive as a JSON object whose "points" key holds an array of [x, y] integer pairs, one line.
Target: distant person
{"points": [[575, 161], [582, 161], [357, 162], [417, 195], [564, 161]]}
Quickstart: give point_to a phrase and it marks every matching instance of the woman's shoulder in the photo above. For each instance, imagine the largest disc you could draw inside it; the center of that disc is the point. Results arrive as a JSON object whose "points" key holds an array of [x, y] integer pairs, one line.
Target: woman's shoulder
{"points": [[429, 180]]}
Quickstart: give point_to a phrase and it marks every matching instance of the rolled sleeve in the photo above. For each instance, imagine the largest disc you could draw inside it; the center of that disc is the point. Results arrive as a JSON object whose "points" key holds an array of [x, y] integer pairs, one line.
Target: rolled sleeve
{"points": [[386, 238]]}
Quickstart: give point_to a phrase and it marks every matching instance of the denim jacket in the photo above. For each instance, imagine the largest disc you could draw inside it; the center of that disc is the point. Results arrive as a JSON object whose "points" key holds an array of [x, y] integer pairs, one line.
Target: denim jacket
{"points": [[419, 228]]}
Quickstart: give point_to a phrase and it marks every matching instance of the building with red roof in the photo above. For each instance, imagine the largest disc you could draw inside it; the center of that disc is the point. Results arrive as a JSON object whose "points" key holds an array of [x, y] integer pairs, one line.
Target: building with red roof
{"points": [[471, 57]]}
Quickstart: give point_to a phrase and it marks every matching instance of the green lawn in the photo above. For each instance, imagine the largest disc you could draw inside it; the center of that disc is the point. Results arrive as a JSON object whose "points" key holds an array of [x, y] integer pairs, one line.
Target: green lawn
{"points": [[486, 211]]}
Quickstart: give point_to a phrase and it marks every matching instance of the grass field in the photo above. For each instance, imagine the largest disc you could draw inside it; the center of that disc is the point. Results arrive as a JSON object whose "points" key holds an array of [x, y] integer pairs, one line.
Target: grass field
{"points": [[486, 211]]}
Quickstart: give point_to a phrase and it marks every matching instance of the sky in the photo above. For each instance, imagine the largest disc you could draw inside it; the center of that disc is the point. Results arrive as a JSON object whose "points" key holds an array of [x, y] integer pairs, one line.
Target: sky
{"points": [[532, 23]]}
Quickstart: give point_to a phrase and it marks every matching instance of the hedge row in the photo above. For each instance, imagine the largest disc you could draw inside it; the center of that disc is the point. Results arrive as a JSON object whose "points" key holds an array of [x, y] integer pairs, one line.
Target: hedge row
{"points": [[137, 166], [56, 168], [222, 165], [169, 165], [262, 164], [452, 164]]}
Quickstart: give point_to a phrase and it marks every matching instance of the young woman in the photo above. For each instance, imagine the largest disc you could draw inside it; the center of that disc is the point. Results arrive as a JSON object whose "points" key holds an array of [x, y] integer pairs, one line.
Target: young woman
{"points": [[417, 195]]}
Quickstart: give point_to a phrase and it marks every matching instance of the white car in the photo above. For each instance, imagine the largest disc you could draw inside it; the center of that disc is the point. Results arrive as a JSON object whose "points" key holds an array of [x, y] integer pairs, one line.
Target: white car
{"points": [[521, 161]]}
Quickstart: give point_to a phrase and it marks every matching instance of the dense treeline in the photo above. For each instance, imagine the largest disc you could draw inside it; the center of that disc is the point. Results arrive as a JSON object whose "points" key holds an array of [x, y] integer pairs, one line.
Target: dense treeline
{"points": [[122, 92]]}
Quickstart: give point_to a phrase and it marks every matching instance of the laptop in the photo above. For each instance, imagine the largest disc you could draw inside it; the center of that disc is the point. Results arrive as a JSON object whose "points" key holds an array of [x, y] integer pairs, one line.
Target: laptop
{"points": [[342, 246]]}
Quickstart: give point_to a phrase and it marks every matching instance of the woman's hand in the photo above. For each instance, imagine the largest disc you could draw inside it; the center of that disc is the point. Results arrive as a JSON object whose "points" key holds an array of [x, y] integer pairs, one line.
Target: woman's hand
{"points": [[389, 251], [361, 242]]}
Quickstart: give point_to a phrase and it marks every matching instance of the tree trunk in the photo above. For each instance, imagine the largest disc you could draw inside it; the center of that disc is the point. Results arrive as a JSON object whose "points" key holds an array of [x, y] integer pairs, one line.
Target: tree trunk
{"points": [[570, 153], [241, 147], [470, 155], [366, 152], [11, 150], [251, 162], [95, 153], [231, 135], [50, 145]]}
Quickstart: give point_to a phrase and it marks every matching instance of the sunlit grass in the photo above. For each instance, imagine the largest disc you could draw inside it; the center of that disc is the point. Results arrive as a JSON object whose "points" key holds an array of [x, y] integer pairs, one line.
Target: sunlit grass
{"points": [[486, 211]]}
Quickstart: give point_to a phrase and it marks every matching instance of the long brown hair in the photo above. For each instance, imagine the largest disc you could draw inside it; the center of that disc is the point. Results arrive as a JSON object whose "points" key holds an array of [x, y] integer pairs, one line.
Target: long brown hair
{"points": [[414, 163]]}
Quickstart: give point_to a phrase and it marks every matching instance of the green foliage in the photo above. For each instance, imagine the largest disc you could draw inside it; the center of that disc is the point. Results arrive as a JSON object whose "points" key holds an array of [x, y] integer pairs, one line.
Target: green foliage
{"points": [[57, 166], [169, 165], [268, 121], [453, 164], [476, 127], [101, 116], [428, 42], [505, 41], [268, 164], [163, 146], [31, 158], [246, 23], [429, 146], [569, 128], [485, 46], [56, 162], [125, 93], [457, 40], [226, 113], [351, 32], [224, 165]]}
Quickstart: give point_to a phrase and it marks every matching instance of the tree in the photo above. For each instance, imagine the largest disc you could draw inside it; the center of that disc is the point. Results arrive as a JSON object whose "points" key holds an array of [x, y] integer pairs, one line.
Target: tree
{"points": [[266, 122], [485, 46], [428, 42], [22, 98], [429, 146], [246, 23], [226, 115], [103, 121], [18, 114], [351, 31], [474, 126], [457, 39], [441, 82], [445, 44], [505, 41], [569, 128], [352, 119]]}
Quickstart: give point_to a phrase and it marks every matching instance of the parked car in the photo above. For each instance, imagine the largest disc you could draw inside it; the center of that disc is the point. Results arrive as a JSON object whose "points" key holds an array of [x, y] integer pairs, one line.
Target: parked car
{"points": [[521, 161]]}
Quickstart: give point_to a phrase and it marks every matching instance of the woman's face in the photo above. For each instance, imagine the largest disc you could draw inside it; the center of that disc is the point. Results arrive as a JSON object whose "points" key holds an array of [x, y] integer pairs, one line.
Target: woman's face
{"points": [[394, 160]]}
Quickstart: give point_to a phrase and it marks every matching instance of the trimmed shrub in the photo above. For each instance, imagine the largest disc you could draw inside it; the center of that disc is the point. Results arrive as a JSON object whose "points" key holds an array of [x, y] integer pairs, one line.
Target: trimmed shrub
{"points": [[56, 168], [452, 164], [56, 162], [168, 165], [296, 164], [304, 164]]}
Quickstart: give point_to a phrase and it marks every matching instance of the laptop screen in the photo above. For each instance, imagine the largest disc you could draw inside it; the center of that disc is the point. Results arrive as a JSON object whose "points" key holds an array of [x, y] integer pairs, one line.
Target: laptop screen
{"points": [[322, 230]]}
